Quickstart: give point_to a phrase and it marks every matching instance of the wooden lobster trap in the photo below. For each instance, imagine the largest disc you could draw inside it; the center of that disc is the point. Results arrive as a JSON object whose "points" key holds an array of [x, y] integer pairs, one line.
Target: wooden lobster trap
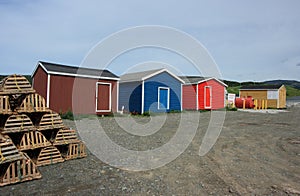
{"points": [[65, 136], [18, 171], [49, 155], [4, 105], [16, 123], [32, 140], [50, 121], [75, 151], [33, 103], [8, 151], [15, 84]]}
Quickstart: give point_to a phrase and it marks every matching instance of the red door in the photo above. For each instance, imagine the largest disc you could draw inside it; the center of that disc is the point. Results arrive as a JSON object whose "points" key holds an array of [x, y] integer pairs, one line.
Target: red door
{"points": [[207, 97], [103, 99]]}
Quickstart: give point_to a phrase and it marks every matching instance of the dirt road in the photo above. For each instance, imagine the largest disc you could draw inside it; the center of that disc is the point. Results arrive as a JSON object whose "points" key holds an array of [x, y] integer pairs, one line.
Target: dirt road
{"points": [[256, 154]]}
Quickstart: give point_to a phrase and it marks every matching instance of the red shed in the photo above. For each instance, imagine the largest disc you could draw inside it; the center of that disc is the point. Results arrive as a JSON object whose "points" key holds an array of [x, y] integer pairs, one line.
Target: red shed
{"points": [[80, 90], [199, 93]]}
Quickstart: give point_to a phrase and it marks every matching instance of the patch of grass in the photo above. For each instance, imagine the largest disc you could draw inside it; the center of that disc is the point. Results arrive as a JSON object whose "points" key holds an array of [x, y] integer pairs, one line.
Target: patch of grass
{"points": [[291, 91], [67, 115], [229, 108], [174, 111], [147, 113], [234, 90]]}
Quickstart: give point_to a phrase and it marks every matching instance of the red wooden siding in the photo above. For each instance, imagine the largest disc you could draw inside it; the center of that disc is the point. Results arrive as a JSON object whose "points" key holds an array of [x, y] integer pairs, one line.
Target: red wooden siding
{"points": [[217, 94], [40, 82], [84, 96], [189, 94], [78, 95]]}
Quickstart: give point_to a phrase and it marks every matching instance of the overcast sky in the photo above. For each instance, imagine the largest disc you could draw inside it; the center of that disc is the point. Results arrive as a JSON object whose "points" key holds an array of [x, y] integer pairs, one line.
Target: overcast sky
{"points": [[249, 40]]}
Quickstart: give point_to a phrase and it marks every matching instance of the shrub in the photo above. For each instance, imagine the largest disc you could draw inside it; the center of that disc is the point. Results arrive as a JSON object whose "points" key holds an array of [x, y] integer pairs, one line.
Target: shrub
{"points": [[67, 115]]}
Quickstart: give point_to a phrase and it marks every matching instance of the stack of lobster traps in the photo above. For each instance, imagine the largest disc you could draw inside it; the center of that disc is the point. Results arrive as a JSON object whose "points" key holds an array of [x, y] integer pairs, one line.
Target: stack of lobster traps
{"points": [[31, 135]]}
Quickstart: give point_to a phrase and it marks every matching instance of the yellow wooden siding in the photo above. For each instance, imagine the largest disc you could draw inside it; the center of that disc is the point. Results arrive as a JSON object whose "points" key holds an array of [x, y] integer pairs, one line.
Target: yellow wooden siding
{"points": [[263, 94], [282, 97], [254, 94], [272, 103]]}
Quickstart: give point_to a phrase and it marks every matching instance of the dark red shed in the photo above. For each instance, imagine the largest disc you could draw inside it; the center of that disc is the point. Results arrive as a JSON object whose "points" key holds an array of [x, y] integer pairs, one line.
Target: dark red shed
{"points": [[199, 93], [80, 90]]}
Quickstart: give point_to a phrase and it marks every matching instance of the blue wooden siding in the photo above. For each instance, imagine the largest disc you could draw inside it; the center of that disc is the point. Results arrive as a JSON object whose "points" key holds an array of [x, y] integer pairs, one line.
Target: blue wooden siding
{"points": [[130, 96], [151, 92]]}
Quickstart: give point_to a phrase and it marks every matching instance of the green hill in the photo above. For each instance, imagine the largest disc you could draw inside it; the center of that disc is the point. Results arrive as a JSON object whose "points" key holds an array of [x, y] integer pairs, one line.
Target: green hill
{"points": [[292, 87]]}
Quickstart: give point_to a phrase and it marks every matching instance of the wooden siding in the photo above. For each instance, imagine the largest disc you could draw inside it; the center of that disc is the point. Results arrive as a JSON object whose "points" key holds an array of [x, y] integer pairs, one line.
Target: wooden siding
{"points": [[282, 97], [84, 96], [189, 100], [256, 94], [217, 94], [130, 96], [263, 95], [40, 81], [151, 92]]}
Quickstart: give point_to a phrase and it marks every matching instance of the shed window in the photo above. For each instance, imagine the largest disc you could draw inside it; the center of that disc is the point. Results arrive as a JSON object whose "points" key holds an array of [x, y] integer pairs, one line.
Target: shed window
{"points": [[163, 98], [272, 94]]}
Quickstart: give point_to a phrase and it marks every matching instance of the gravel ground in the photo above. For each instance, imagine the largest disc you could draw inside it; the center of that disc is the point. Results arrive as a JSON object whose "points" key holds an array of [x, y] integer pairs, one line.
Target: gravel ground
{"points": [[255, 154]]}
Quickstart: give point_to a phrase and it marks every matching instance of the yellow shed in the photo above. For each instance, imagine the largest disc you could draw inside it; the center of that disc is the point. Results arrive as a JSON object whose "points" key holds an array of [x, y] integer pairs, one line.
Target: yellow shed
{"points": [[275, 94]]}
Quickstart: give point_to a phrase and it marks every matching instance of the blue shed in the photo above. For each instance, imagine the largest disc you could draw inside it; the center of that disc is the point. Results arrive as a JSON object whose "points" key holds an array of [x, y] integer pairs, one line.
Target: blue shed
{"points": [[155, 90]]}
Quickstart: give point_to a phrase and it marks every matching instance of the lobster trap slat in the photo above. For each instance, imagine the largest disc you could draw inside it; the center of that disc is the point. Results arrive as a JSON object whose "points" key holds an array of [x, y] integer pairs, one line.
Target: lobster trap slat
{"points": [[4, 105], [33, 103], [19, 171], [8, 151], [50, 121], [33, 140], [75, 151], [49, 155], [66, 136], [17, 123], [15, 84]]}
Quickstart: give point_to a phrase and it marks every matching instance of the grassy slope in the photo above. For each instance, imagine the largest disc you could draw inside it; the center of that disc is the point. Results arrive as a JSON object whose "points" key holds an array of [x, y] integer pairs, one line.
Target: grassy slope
{"points": [[290, 91]]}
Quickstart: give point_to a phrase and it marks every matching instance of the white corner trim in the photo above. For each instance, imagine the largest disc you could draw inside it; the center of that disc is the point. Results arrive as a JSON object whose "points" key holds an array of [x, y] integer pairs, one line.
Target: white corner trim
{"points": [[197, 97], [48, 90], [117, 96], [143, 97]]}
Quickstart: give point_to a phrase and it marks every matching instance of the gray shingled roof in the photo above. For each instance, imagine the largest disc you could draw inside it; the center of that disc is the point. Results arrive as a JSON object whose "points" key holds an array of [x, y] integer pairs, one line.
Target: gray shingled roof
{"points": [[192, 79], [261, 87], [59, 68], [137, 76]]}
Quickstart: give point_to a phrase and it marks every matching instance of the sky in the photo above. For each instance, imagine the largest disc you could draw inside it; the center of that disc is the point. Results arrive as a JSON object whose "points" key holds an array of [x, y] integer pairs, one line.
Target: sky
{"points": [[249, 40]]}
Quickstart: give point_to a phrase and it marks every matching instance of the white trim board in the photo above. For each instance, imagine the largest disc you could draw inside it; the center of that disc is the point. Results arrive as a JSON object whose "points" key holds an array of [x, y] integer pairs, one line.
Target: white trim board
{"points": [[168, 99]]}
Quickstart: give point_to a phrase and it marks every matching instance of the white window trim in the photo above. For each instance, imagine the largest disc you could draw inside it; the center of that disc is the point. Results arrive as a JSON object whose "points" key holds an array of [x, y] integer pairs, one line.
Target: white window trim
{"points": [[105, 83], [168, 104], [210, 92]]}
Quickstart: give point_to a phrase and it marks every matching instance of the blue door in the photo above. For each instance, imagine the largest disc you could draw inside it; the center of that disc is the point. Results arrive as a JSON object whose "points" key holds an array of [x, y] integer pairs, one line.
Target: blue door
{"points": [[163, 98]]}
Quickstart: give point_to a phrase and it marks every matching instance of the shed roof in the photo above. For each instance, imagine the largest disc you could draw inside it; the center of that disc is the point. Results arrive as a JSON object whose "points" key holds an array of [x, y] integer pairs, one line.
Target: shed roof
{"points": [[199, 79], [59, 69], [262, 87], [144, 75]]}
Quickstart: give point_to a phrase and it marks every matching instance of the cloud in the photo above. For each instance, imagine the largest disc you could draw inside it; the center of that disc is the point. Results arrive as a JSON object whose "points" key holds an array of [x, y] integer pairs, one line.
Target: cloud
{"points": [[240, 37]]}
